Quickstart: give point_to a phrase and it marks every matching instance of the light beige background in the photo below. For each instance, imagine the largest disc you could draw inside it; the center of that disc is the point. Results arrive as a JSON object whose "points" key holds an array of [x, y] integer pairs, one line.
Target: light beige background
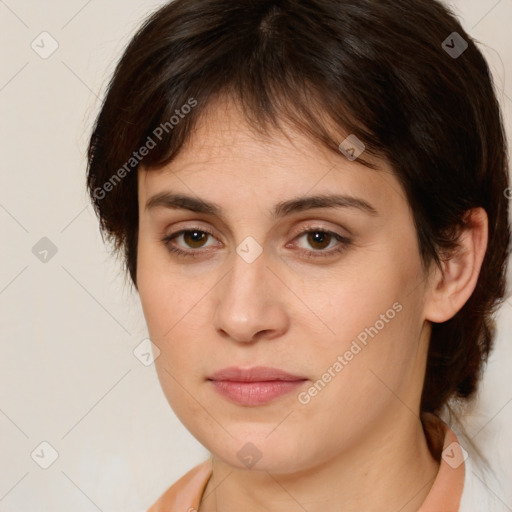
{"points": [[68, 375]]}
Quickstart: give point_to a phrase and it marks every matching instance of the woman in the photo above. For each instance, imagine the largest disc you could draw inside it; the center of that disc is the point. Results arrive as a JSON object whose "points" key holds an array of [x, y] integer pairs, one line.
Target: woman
{"points": [[310, 198]]}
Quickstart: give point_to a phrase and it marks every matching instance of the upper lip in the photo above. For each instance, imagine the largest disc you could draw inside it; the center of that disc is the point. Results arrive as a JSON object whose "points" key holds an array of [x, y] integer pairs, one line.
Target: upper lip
{"points": [[254, 374]]}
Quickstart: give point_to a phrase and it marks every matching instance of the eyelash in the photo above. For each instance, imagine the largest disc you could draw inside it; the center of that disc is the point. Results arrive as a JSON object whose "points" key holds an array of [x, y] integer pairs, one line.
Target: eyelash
{"points": [[344, 243]]}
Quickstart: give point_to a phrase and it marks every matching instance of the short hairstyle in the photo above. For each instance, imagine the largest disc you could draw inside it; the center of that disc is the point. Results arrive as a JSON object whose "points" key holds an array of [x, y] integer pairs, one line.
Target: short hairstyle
{"points": [[401, 75]]}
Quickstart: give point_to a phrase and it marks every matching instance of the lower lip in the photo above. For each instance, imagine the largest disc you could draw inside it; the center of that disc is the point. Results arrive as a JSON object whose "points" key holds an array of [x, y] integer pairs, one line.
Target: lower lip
{"points": [[255, 393]]}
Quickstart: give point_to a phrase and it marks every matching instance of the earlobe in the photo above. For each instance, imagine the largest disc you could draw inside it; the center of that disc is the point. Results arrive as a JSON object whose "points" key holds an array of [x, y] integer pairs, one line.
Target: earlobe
{"points": [[450, 289]]}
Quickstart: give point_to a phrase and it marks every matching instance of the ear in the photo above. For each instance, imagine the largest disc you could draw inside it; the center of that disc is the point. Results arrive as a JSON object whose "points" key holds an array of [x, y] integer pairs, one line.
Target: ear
{"points": [[450, 289]]}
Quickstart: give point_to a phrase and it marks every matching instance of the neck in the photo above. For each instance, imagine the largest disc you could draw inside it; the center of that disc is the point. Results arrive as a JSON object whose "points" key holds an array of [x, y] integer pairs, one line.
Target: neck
{"points": [[394, 467]]}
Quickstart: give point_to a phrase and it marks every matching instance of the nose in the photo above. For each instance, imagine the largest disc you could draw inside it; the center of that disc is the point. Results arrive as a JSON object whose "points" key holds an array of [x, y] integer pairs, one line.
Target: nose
{"points": [[250, 302]]}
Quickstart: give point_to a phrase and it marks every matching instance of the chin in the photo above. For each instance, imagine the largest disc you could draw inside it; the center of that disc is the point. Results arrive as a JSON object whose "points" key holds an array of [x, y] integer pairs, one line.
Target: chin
{"points": [[277, 453]]}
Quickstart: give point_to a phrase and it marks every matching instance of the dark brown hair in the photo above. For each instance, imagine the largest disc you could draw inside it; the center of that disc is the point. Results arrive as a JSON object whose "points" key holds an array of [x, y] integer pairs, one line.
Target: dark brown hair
{"points": [[392, 72]]}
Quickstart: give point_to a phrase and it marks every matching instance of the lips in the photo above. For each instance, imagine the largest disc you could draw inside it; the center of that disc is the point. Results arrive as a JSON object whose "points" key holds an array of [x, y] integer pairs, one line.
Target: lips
{"points": [[254, 374], [254, 386]]}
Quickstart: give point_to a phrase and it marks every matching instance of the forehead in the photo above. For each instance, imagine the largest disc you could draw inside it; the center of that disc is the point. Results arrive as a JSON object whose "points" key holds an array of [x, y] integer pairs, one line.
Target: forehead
{"points": [[226, 159]]}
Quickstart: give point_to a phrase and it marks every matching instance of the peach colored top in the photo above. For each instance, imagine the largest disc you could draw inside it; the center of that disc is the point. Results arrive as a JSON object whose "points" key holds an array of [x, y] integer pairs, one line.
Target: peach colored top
{"points": [[445, 495]]}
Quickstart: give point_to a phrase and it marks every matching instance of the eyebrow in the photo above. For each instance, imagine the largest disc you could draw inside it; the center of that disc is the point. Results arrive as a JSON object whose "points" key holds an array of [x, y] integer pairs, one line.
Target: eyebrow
{"points": [[194, 204]]}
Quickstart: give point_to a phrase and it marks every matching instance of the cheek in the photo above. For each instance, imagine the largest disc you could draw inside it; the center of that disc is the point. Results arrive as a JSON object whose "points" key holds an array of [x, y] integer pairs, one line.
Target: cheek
{"points": [[154, 303], [171, 307], [373, 325], [357, 383], [348, 305], [161, 296]]}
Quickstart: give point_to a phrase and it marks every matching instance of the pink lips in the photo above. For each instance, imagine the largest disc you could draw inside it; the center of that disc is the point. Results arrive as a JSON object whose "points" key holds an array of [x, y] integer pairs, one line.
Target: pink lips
{"points": [[254, 386]]}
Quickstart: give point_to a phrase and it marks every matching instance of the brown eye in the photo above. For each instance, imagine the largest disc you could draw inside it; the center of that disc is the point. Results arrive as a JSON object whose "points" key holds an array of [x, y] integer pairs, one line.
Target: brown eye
{"points": [[319, 239], [195, 239], [191, 241], [323, 243]]}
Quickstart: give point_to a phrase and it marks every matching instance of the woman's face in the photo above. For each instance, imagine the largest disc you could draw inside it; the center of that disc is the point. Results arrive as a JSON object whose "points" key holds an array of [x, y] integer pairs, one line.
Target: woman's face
{"points": [[340, 308]]}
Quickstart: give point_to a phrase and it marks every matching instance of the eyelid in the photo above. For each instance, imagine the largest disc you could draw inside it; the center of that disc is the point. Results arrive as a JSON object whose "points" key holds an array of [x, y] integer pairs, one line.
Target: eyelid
{"points": [[317, 226], [188, 225]]}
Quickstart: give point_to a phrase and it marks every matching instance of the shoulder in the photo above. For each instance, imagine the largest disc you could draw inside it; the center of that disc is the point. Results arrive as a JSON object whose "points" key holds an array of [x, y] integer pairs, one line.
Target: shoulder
{"points": [[482, 488], [186, 493]]}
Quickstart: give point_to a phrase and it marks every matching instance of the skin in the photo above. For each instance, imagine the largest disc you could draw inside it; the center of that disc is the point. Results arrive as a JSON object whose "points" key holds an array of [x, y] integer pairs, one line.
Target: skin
{"points": [[359, 442]]}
